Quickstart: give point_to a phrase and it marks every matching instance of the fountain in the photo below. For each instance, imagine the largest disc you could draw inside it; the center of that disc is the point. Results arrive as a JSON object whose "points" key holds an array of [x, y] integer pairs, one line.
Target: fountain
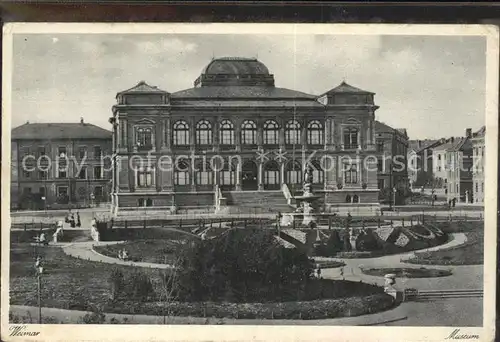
{"points": [[306, 200]]}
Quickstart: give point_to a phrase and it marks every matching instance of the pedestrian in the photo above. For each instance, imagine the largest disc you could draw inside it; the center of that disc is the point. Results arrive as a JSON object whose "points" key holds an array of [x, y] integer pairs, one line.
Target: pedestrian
{"points": [[72, 221], [78, 221], [319, 272]]}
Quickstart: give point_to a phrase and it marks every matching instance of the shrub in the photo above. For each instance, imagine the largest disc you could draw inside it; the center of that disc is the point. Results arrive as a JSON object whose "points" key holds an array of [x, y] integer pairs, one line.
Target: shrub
{"points": [[93, 318], [366, 241], [117, 283], [139, 286]]}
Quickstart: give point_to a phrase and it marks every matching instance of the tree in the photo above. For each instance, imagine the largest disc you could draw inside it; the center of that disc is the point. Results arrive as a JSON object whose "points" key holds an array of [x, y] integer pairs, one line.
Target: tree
{"points": [[169, 288], [241, 265]]}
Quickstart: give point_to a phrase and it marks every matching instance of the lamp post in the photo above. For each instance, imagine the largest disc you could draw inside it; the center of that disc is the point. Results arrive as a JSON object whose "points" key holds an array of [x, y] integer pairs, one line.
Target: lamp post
{"points": [[394, 198], [39, 271]]}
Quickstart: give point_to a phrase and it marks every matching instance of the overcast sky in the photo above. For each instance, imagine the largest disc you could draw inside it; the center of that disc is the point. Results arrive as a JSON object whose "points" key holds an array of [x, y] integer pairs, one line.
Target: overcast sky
{"points": [[432, 86]]}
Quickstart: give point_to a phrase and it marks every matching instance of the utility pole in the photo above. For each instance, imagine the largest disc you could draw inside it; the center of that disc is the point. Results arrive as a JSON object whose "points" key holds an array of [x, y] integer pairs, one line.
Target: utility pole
{"points": [[39, 271]]}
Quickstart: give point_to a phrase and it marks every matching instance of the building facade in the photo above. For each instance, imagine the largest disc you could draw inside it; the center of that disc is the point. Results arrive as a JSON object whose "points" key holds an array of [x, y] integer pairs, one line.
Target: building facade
{"points": [[236, 136], [59, 165], [478, 154], [421, 162], [392, 170], [459, 164]]}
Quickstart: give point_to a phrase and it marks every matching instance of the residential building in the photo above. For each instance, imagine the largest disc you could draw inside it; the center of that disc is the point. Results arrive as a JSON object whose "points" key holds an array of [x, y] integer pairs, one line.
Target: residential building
{"points": [[237, 139], [58, 165], [420, 161], [392, 166], [478, 146], [459, 163]]}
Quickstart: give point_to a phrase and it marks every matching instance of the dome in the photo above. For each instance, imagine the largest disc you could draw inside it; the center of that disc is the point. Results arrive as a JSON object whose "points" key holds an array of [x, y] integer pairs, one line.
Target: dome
{"points": [[235, 66], [235, 71]]}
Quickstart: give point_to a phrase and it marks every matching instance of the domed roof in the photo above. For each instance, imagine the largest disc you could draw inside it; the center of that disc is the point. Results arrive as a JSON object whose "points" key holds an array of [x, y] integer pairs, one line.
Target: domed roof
{"points": [[235, 66]]}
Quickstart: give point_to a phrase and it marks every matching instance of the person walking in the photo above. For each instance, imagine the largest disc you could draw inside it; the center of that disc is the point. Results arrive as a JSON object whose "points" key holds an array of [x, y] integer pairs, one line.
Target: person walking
{"points": [[78, 221]]}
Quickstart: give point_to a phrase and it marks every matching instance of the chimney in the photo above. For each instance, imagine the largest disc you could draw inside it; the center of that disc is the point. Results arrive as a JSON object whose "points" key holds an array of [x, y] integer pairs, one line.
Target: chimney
{"points": [[452, 139], [81, 120], [468, 132], [419, 143]]}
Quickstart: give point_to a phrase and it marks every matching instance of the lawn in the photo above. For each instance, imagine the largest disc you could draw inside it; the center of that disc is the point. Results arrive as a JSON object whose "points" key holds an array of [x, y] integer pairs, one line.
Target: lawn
{"points": [[66, 283], [470, 253], [153, 251]]}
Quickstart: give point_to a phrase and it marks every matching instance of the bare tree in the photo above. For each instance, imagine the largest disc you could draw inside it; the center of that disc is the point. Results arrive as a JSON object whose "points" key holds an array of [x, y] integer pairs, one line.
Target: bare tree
{"points": [[169, 288]]}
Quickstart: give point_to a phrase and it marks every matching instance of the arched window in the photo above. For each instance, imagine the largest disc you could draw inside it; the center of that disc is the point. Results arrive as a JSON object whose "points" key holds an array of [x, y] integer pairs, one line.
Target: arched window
{"points": [[181, 133], [271, 133], [294, 172], [203, 133], [226, 133], [181, 173], [204, 174], [315, 133], [144, 137], [271, 176], [355, 199], [350, 138], [248, 133], [317, 172], [348, 198], [292, 132], [351, 174]]}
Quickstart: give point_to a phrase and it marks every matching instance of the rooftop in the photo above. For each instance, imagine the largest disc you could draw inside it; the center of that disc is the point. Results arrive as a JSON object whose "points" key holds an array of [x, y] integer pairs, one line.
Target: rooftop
{"points": [[235, 66], [59, 131], [345, 88]]}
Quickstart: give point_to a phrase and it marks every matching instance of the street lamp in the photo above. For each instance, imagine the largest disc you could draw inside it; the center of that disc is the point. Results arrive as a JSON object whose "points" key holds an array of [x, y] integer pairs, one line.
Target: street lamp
{"points": [[39, 271], [394, 198]]}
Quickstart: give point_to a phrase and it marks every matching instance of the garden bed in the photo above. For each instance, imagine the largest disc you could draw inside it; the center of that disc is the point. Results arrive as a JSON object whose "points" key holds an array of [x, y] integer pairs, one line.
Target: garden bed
{"points": [[470, 253], [407, 272]]}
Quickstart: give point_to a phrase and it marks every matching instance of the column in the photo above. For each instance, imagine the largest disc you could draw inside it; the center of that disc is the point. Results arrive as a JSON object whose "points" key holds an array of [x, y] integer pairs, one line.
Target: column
{"points": [[260, 134], [281, 136], [260, 177], [303, 136], [237, 135], [192, 134], [238, 177], [164, 134], [193, 176], [215, 136], [282, 172]]}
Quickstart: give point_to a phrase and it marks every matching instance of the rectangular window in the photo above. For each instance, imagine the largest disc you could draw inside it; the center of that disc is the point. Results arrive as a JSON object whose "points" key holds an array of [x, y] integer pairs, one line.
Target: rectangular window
{"points": [[82, 152], [380, 165], [294, 177], [439, 157], [181, 178], [380, 147], [97, 152], [145, 178], [477, 187], [62, 191], [439, 168], [271, 177], [98, 191], [317, 176], [381, 184], [42, 175], [482, 187], [83, 173], [27, 191], [62, 173], [97, 172], [351, 174], [204, 177], [227, 177], [41, 191]]}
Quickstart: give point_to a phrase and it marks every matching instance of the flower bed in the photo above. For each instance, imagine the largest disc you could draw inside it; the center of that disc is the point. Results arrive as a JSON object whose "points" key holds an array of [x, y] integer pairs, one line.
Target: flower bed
{"points": [[407, 272], [154, 251]]}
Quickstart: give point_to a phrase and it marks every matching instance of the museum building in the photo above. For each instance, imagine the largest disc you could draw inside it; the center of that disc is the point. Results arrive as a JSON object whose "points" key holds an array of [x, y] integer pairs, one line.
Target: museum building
{"points": [[236, 142]]}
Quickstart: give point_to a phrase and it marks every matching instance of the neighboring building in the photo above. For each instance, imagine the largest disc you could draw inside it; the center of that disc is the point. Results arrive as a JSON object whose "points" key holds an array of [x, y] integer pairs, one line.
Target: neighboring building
{"points": [[420, 161], [478, 154], [237, 136], [392, 166], [459, 168], [57, 165], [439, 163]]}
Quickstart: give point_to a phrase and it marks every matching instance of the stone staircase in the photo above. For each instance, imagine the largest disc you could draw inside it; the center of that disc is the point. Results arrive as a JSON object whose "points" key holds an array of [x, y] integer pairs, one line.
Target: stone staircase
{"points": [[432, 295], [296, 234], [257, 201]]}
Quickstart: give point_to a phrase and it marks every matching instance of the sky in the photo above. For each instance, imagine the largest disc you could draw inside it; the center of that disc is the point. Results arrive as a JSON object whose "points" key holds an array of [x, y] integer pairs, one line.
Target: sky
{"points": [[434, 86]]}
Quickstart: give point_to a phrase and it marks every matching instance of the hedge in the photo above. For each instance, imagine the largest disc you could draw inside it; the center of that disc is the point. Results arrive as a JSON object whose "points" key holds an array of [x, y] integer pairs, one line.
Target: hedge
{"points": [[307, 310]]}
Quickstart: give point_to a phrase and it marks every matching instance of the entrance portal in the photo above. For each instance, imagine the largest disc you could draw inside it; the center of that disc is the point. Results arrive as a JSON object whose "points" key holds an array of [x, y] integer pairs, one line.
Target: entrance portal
{"points": [[249, 176]]}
